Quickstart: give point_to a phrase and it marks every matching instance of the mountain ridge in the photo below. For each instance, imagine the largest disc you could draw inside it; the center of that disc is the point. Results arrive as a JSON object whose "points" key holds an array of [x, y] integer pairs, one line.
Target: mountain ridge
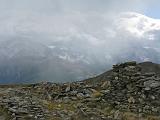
{"points": [[146, 67], [130, 91]]}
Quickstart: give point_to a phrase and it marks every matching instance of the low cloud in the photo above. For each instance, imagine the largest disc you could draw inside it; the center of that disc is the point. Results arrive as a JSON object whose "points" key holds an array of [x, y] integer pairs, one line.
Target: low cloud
{"points": [[85, 33]]}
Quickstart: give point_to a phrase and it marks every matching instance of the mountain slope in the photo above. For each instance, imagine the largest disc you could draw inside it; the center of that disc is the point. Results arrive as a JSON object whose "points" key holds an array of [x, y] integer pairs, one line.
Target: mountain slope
{"points": [[132, 92], [146, 67]]}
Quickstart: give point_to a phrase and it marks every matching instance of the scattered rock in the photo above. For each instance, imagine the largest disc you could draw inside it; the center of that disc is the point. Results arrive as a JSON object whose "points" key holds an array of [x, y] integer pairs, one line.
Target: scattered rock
{"points": [[126, 93]]}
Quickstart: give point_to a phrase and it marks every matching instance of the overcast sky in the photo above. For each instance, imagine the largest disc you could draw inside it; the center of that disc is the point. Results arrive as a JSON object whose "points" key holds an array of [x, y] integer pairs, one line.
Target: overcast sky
{"points": [[12, 11], [51, 7], [63, 19], [93, 20], [52, 18]]}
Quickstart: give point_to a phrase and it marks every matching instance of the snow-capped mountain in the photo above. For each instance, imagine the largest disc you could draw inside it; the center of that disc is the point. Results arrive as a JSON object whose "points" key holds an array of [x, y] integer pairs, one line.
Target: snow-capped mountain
{"points": [[78, 49]]}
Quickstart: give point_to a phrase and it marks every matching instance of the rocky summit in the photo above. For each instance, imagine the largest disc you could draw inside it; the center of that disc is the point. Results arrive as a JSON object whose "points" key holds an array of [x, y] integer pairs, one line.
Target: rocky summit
{"points": [[130, 91]]}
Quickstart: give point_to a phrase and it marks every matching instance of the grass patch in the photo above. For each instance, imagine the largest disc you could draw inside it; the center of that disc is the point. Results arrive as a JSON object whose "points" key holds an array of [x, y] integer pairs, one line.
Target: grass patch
{"points": [[59, 106], [4, 113]]}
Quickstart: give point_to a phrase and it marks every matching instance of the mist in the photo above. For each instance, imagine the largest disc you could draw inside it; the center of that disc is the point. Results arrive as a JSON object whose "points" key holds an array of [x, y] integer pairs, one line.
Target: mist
{"points": [[61, 41]]}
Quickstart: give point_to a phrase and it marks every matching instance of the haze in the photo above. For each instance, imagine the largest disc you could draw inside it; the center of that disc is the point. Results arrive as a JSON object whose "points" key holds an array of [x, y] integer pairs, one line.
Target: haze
{"points": [[69, 40]]}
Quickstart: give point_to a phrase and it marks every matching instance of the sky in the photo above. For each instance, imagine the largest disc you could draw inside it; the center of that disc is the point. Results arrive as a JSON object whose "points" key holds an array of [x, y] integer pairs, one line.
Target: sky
{"points": [[152, 10], [98, 21], [94, 20], [20, 15], [50, 7], [97, 32]]}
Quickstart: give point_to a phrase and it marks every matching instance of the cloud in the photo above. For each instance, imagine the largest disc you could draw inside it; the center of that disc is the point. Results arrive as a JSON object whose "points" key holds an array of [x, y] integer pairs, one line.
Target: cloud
{"points": [[56, 16], [96, 32], [63, 6]]}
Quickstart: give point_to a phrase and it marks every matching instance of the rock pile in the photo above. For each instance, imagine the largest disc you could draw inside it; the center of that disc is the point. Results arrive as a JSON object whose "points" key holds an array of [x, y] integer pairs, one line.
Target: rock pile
{"points": [[125, 88], [131, 90], [22, 106]]}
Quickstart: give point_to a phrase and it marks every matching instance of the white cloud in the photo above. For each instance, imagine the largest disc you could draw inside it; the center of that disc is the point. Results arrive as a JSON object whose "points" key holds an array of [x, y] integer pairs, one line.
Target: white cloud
{"points": [[138, 24]]}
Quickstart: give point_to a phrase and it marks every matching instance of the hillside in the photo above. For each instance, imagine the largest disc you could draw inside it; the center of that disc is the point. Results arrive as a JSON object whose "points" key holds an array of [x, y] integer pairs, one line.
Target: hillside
{"points": [[145, 68], [129, 91]]}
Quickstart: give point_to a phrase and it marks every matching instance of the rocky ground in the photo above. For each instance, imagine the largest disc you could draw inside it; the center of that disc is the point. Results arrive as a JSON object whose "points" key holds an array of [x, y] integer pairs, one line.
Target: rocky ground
{"points": [[124, 93]]}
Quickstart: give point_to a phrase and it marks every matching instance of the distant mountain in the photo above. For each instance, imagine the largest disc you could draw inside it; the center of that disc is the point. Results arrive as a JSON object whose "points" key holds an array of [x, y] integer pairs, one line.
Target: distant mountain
{"points": [[29, 55], [26, 61]]}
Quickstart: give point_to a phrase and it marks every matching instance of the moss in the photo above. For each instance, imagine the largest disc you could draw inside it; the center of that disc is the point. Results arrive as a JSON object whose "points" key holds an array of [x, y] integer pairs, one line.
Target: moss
{"points": [[60, 106], [97, 94], [2, 94], [133, 116], [4, 113], [55, 118], [153, 118]]}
